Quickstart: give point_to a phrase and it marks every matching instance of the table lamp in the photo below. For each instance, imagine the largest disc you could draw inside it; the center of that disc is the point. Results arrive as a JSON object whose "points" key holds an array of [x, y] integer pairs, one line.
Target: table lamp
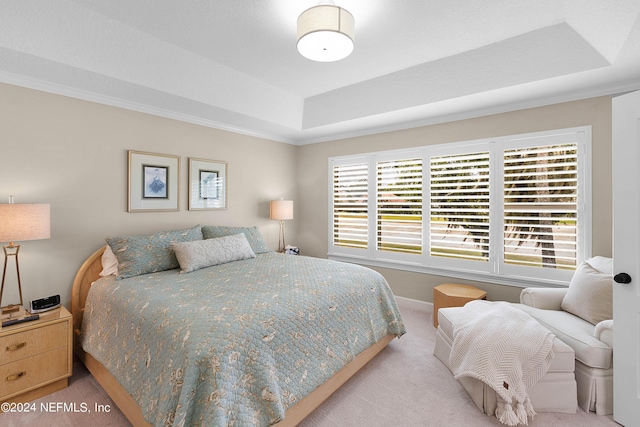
{"points": [[20, 222], [281, 210]]}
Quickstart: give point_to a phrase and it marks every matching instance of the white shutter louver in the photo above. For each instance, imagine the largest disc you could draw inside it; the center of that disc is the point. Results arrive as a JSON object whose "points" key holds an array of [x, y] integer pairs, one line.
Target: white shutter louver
{"points": [[350, 210], [459, 207], [541, 206], [399, 206]]}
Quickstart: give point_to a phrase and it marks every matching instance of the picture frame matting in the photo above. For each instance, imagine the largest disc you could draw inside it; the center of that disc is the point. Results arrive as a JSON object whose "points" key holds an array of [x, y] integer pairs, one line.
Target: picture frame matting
{"points": [[207, 184], [153, 181]]}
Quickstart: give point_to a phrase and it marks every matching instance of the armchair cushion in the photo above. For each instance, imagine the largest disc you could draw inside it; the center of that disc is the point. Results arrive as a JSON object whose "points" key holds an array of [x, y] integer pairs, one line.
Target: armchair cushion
{"points": [[590, 294], [575, 332]]}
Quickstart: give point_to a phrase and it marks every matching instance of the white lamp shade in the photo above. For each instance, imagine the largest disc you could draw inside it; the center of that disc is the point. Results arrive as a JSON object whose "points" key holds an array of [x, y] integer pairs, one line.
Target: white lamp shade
{"points": [[19, 222], [281, 209], [325, 33]]}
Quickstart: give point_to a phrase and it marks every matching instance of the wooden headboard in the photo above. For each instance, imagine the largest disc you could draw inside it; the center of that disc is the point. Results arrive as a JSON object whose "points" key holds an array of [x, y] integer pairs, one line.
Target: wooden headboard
{"points": [[88, 273]]}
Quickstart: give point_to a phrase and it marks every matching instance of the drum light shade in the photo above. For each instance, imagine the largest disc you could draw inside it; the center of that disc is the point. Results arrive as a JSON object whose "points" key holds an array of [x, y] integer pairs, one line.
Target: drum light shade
{"points": [[20, 222], [281, 209], [325, 33]]}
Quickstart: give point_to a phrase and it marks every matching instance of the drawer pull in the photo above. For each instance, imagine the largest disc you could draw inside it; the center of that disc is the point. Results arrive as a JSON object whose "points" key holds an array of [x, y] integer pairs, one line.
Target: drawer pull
{"points": [[14, 377], [15, 347]]}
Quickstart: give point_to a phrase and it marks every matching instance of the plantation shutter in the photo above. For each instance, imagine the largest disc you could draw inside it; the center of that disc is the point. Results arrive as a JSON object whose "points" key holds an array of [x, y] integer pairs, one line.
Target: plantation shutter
{"points": [[541, 206], [514, 210], [399, 206], [350, 205], [459, 206]]}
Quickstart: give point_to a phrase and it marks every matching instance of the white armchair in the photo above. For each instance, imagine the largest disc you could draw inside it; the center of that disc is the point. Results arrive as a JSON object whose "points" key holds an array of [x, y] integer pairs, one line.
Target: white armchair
{"points": [[575, 316]]}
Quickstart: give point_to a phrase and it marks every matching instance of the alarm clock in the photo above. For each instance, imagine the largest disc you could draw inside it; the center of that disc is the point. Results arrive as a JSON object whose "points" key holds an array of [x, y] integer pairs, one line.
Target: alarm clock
{"points": [[44, 304]]}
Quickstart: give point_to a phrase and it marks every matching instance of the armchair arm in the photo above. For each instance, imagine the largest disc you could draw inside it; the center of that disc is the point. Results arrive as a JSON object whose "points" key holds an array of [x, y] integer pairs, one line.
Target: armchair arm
{"points": [[604, 332], [543, 298]]}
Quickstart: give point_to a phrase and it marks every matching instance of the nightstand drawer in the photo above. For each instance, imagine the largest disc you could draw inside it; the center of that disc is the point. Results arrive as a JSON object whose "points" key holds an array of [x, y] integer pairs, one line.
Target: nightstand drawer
{"points": [[32, 342], [33, 371]]}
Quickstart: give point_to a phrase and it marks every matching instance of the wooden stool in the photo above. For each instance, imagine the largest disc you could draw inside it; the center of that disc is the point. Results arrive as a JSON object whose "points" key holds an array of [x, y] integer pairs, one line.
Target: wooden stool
{"points": [[454, 295]]}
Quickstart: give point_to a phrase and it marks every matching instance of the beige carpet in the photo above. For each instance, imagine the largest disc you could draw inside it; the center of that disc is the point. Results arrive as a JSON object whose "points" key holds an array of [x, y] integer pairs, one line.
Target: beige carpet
{"points": [[405, 385]]}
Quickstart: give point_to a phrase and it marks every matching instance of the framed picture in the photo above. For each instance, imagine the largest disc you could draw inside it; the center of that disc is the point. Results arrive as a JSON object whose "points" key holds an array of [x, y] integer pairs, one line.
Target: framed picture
{"points": [[154, 182], [207, 184]]}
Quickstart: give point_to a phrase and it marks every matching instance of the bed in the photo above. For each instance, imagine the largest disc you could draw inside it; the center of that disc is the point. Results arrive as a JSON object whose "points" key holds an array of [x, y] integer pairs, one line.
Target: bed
{"points": [[258, 341]]}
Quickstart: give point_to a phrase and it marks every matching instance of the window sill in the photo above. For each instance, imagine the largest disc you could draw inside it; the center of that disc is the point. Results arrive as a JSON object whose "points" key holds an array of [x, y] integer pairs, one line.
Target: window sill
{"points": [[517, 281]]}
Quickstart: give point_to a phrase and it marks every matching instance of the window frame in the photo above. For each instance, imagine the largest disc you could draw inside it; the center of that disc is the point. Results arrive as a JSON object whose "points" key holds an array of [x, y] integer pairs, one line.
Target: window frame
{"points": [[495, 270]]}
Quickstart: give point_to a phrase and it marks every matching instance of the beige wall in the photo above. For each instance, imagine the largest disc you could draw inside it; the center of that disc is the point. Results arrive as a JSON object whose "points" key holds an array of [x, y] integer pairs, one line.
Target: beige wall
{"points": [[313, 171], [73, 155]]}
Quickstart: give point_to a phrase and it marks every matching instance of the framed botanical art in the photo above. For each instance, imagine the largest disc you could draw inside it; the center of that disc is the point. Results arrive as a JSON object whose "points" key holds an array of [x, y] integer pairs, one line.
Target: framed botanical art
{"points": [[154, 182], [207, 184]]}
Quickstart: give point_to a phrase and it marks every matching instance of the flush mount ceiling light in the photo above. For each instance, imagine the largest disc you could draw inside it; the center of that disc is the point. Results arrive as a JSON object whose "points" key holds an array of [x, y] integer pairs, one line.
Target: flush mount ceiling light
{"points": [[325, 33]]}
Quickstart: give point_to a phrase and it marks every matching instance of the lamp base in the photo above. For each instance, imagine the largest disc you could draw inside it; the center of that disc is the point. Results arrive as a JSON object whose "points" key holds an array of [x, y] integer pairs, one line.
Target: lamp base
{"points": [[11, 308], [12, 311], [281, 244]]}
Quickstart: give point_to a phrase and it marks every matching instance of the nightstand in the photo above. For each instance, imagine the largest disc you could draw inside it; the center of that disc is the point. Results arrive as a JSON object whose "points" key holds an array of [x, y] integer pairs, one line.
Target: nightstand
{"points": [[36, 357], [454, 295]]}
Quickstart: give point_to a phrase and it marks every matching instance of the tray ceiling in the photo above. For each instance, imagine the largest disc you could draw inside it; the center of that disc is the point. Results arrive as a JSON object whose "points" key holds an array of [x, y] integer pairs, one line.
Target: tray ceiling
{"points": [[234, 65]]}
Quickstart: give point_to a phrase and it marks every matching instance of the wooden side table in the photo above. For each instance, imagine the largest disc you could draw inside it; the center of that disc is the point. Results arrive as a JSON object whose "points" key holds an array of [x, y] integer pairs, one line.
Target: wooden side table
{"points": [[36, 357], [454, 295]]}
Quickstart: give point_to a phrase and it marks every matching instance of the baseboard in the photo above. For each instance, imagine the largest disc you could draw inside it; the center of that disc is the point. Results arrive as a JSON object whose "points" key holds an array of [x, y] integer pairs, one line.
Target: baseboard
{"points": [[414, 304]]}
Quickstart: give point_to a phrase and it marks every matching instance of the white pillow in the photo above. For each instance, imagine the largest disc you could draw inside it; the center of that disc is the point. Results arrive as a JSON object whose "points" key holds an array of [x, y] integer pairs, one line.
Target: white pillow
{"points": [[602, 264], [109, 263], [590, 294], [205, 253]]}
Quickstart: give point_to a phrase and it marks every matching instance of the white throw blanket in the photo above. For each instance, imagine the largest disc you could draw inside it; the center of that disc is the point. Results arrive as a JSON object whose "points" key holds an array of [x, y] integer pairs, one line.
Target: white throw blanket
{"points": [[506, 349]]}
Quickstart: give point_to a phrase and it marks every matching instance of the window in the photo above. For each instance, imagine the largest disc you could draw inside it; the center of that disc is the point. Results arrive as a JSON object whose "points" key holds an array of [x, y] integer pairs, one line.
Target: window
{"points": [[399, 206], [459, 220], [541, 206], [507, 210], [350, 205]]}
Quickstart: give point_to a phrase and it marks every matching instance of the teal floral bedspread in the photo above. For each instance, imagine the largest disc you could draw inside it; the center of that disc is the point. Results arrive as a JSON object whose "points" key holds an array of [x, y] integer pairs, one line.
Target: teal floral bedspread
{"points": [[238, 343]]}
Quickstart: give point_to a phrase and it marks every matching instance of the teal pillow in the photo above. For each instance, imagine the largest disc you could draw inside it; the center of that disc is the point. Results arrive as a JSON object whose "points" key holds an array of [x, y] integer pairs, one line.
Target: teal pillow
{"points": [[257, 243], [143, 254]]}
